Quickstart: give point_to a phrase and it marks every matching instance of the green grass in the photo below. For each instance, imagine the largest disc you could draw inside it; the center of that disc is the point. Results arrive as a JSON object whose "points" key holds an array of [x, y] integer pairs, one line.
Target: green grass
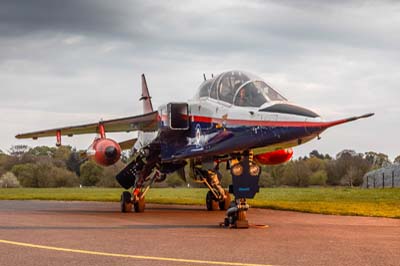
{"points": [[339, 201]]}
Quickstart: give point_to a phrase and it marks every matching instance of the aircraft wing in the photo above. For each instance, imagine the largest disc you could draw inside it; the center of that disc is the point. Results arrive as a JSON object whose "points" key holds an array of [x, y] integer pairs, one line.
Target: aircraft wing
{"points": [[147, 122]]}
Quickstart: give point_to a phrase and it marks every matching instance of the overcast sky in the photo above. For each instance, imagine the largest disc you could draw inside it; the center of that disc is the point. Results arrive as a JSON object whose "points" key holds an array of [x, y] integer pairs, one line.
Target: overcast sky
{"points": [[76, 61]]}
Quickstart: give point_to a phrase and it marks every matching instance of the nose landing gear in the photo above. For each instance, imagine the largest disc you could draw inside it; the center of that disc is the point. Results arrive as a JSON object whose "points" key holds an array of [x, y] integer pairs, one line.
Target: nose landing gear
{"points": [[126, 201], [140, 175]]}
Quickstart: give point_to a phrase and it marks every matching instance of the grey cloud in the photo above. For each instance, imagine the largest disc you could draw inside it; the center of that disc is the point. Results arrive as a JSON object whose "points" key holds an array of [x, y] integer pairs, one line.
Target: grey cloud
{"points": [[338, 57], [284, 28]]}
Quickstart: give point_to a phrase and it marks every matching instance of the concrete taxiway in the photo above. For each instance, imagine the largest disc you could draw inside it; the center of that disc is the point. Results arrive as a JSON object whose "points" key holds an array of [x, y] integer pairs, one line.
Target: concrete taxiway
{"points": [[94, 233]]}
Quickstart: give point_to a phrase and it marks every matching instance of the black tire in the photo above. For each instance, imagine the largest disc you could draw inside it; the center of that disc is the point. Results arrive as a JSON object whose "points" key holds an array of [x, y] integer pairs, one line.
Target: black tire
{"points": [[126, 201], [225, 203], [139, 205], [226, 222], [211, 203]]}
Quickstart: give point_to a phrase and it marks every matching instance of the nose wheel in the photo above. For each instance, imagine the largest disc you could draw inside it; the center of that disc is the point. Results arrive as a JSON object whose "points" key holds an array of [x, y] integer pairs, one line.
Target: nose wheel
{"points": [[211, 202], [136, 199], [139, 203], [126, 201], [225, 202]]}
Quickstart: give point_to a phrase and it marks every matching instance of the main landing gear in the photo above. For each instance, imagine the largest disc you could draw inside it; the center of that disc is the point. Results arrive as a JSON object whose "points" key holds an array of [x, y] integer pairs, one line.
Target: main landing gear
{"points": [[217, 197], [245, 178]]}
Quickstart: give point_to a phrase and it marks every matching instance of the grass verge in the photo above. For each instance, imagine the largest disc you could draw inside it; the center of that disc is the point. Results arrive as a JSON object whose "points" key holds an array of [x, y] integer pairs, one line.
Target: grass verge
{"points": [[338, 201]]}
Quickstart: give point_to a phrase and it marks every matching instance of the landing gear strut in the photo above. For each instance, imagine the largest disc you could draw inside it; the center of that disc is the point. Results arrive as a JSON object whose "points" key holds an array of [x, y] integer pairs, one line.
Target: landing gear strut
{"points": [[137, 198], [139, 202], [217, 196], [140, 175]]}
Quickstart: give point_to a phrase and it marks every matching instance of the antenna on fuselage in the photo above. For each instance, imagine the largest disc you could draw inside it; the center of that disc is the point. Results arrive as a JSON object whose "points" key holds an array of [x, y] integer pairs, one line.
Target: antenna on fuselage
{"points": [[204, 76], [212, 75]]}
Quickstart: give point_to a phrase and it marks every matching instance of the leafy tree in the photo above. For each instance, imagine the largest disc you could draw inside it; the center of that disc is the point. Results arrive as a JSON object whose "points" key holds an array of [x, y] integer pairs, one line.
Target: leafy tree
{"points": [[62, 153], [173, 180], [316, 154], [316, 164], [18, 150], [42, 151], [73, 163], [318, 178], [107, 179], [353, 176], [90, 173], [25, 174], [297, 173], [334, 175], [266, 179], [3, 163], [44, 174], [397, 160], [348, 169], [9, 180], [49, 175], [277, 173], [7, 162], [377, 160], [61, 177]]}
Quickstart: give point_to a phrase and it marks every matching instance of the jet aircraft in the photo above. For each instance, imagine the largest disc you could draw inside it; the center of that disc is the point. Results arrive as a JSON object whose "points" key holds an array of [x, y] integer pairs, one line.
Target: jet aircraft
{"points": [[235, 117]]}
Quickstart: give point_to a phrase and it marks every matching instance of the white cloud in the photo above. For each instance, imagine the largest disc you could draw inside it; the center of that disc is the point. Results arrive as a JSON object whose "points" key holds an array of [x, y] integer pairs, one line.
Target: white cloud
{"points": [[73, 40]]}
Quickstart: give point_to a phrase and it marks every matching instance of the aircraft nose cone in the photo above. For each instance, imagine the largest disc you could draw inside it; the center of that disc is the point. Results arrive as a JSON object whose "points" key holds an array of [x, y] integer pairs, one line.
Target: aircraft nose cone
{"points": [[111, 152]]}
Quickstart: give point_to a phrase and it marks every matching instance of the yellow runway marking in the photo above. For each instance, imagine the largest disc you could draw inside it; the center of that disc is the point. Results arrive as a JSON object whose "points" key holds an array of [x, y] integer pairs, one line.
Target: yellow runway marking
{"points": [[128, 256]]}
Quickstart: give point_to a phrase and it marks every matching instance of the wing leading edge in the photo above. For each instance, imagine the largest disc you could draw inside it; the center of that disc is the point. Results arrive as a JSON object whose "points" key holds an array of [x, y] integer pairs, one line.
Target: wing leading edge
{"points": [[147, 123]]}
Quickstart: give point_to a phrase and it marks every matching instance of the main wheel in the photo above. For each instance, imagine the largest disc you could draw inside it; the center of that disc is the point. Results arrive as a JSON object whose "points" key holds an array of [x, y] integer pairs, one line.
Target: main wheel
{"points": [[211, 203], [224, 204], [139, 205], [126, 201]]}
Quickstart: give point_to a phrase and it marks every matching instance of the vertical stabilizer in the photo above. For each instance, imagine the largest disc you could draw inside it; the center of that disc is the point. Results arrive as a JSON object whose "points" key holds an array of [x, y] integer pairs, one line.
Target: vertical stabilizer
{"points": [[147, 105]]}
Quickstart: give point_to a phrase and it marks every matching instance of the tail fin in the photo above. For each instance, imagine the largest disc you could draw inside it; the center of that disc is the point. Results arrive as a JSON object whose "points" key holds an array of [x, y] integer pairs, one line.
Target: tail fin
{"points": [[147, 105]]}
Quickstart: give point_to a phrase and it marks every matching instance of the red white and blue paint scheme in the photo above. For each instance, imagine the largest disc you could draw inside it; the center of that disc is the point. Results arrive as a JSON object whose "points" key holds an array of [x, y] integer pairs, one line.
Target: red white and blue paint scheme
{"points": [[235, 118]]}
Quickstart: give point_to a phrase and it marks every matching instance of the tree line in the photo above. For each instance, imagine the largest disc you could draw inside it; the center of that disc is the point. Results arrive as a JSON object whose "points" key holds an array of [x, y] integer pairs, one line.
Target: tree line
{"points": [[44, 166], [64, 166]]}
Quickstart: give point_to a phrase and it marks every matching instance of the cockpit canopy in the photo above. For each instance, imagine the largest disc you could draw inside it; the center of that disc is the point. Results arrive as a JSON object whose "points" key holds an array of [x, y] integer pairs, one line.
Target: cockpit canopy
{"points": [[239, 88]]}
